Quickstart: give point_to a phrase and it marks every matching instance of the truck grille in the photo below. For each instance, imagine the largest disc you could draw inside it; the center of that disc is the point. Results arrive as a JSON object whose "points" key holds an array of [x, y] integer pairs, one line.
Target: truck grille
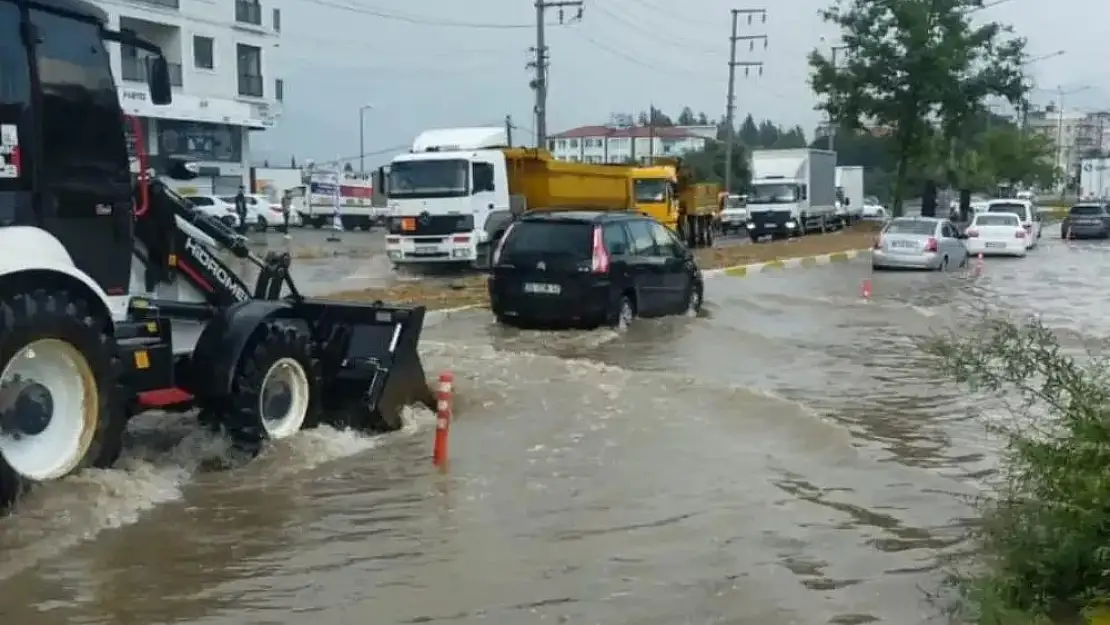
{"points": [[431, 225]]}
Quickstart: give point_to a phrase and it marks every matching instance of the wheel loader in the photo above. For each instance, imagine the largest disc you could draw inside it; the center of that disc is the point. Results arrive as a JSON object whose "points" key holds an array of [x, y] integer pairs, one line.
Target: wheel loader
{"points": [[115, 296]]}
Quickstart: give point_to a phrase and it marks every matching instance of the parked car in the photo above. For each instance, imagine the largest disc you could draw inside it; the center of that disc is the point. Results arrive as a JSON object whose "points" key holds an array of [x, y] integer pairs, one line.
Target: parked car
{"points": [[1089, 220], [260, 211], [1026, 210], [996, 234], [919, 243], [216, 207], [873, 210], [591, 268]]}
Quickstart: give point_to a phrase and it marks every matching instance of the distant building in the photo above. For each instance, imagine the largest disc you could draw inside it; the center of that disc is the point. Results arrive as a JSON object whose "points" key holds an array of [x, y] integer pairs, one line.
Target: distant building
{"points": [[224, 74], [1074, 135], [622, 144]]}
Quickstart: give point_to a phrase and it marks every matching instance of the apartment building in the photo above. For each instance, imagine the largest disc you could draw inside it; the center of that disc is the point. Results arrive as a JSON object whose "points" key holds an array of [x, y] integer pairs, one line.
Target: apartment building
{"points": [[226, 82], [624, 144]]}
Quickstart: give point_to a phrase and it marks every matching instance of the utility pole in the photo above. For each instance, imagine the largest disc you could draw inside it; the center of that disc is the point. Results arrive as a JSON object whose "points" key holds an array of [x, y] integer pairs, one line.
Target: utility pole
{"points": [[509, 130], [730, 106], [651, 134], [833, 125], [539, 82]]}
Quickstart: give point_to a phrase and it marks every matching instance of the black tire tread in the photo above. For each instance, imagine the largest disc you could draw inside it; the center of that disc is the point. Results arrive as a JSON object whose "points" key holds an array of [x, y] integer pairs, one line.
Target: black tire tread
{"points": [[271, 341], [41, 314]]}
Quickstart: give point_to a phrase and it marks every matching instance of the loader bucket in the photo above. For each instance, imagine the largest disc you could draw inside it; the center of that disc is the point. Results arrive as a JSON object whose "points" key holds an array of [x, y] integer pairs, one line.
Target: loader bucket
{"points": [[369, 366]]}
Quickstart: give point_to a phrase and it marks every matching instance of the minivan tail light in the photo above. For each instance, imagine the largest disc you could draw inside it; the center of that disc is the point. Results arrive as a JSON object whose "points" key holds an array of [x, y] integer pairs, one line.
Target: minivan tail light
{"points": [[1020, 234], [931, 245], [972, 232], [599, 262], [501, 245]]}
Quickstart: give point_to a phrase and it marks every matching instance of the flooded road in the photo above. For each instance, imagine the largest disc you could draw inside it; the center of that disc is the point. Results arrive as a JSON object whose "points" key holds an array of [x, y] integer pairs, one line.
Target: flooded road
{"points": [[787, 457]]}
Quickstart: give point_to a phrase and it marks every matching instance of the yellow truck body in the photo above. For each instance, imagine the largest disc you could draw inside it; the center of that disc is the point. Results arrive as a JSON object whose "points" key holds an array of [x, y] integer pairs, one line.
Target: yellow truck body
{"points": [[667, 191], [538, 182]]}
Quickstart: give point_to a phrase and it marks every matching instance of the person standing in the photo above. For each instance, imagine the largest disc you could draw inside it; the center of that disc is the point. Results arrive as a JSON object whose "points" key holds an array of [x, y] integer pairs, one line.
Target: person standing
{"points": [[241, 209], [286, 207]]}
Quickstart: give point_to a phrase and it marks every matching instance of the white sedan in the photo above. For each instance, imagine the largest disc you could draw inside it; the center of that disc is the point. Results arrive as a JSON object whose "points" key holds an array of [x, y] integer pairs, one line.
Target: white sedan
{"points": [[216, 207], [997, 234]]}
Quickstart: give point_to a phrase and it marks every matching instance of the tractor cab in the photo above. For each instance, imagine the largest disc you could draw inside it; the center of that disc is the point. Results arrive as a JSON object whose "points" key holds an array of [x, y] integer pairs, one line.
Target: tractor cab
{"points": [[64, 164]]}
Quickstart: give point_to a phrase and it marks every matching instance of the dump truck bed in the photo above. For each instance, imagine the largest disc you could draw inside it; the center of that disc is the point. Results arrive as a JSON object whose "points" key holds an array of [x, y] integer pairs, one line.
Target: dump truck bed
{"points": [[539, 182]]}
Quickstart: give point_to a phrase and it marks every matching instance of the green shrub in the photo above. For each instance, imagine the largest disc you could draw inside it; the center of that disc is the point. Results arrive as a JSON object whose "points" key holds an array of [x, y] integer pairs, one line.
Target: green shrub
{"points": [[1044, 541]]}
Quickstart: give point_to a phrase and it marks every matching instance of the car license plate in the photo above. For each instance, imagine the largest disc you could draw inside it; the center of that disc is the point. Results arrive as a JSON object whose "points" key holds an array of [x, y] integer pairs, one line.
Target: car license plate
{"points": [[425, 249], [996, 245], [539, 287], [903, 244]]}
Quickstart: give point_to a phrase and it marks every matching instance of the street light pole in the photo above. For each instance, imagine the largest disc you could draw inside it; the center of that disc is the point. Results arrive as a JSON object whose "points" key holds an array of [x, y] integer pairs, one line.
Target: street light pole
{"points": [[362, 137]]}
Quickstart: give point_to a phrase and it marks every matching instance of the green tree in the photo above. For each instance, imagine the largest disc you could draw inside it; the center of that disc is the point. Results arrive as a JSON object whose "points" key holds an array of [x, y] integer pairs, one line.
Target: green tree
{"points": [[686, 117], [1016, 157], [768, 134], [708, 164], [703, 119], [749, 132], [912, 61], [348, 168]]}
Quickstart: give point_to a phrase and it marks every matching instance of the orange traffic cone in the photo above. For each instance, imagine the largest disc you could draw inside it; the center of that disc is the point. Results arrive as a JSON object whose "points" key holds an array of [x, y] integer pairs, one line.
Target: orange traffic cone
{"points": [[865, 289]]}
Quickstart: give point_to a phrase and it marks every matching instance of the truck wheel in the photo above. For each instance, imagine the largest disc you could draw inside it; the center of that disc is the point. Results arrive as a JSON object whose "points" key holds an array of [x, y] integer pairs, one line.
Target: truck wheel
{"points": [[60, 407], [274, 392]]}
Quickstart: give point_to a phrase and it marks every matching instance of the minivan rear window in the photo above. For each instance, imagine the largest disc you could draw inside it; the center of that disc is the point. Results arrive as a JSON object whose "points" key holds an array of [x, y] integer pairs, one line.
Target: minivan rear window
{"points": [[550, 237], [1085, 210]]}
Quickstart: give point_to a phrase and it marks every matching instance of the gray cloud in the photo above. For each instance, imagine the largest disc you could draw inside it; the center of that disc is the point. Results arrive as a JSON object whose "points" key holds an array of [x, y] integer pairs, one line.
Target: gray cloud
{"points": [[624, 56]]}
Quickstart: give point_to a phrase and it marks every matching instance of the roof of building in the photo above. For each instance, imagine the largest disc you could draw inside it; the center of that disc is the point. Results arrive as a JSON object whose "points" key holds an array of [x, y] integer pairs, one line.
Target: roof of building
{"points": [[664, 132]]}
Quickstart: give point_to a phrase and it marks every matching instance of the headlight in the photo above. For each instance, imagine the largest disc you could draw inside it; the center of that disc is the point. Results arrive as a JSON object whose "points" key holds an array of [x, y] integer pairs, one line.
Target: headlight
{"points": [[791, 224]]}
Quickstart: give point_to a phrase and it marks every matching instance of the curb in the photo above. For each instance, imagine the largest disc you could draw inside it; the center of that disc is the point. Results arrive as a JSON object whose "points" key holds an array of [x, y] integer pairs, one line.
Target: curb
{"points": [[740, 271]]}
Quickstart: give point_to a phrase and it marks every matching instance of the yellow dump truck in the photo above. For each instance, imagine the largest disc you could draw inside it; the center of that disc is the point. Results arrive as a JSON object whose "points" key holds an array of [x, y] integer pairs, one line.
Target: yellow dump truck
{"points": [[667, 192], [538, 182]]}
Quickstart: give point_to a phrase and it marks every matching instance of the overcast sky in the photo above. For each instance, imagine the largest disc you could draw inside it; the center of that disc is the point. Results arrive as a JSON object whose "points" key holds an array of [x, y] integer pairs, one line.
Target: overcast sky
{"points": [[423, 64]]}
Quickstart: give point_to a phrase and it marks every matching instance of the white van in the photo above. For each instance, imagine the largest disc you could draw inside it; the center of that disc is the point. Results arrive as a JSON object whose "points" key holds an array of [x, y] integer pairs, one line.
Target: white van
{"points": [[1026, 210]]}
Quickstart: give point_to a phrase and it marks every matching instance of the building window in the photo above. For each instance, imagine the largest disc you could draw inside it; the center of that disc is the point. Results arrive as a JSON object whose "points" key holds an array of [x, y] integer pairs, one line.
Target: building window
{"points": [[562, 144], [277, 20], [551, 145], [200, 141], [573, 143], [204, 53], [248, 12], [279, 90], [250, 70]]}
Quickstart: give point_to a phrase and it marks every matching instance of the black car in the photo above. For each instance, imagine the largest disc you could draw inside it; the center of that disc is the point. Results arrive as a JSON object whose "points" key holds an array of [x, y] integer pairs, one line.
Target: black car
{"points": [[591, 268], [1086, 220]]}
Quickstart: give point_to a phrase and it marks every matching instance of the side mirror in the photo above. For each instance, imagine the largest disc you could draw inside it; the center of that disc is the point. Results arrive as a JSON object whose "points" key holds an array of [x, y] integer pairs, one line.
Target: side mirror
{"points": [[179, 169], [158, 79]]}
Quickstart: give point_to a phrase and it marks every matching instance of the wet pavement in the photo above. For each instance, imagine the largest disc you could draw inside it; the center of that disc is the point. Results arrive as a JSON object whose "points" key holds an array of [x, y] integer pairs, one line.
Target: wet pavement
{"points": [[786, 457]]}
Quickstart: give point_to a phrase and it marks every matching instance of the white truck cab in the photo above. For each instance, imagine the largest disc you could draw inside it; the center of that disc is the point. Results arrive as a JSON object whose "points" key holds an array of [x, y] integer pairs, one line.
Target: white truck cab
{"points": [[792, 192], [448, 196]]}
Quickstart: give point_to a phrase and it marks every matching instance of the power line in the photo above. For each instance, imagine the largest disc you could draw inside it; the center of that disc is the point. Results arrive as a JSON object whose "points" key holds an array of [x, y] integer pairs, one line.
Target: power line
{"points": [[628, 23], [640, 62], [414, 19]]}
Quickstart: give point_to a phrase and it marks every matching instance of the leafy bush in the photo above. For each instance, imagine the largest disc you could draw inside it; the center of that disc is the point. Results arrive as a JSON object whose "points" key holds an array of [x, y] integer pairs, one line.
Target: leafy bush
{"points": [[1044, 541]]}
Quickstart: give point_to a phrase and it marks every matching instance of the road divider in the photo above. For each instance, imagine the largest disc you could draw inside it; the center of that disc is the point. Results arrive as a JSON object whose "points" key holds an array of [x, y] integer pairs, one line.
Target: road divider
{"points": [[741, 271]]}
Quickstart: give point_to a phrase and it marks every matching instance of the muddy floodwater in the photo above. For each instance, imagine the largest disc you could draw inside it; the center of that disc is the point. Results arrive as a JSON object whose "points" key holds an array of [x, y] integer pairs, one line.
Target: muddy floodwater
{"points": [[784, 458]]}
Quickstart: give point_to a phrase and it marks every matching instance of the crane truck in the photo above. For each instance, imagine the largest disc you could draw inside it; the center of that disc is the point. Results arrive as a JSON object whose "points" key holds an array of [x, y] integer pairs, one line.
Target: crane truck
{"points": [[457, 189], [113, 298]]}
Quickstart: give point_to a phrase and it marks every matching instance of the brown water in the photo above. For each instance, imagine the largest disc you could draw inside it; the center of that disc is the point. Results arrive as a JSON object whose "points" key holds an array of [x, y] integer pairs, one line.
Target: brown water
{"points": [[785, 458]]}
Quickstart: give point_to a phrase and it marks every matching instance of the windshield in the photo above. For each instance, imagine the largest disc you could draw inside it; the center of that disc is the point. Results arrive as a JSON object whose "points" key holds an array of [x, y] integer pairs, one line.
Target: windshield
{"points": [[651, 190], [197, 200], [997, 220], [1085, 210], [773, 194], [1018, 209], [912, 226], [735, 201], [428, 179], [871, 200], [549, 237]]}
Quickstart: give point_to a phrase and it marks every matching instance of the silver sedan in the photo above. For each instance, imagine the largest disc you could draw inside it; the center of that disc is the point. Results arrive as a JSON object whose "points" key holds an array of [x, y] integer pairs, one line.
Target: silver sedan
{"points": [[928, 243]]}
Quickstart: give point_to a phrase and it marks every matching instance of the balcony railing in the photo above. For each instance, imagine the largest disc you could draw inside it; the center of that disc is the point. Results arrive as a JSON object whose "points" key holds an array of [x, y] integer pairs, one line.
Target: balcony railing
{"points": [[250, 86], [134, 69], [247, 12], [165, 4]]}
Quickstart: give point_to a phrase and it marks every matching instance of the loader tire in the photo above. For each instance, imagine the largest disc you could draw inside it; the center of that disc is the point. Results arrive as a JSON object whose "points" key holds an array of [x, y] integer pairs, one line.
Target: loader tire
{"points": [[61, 406], [274, 393]]}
